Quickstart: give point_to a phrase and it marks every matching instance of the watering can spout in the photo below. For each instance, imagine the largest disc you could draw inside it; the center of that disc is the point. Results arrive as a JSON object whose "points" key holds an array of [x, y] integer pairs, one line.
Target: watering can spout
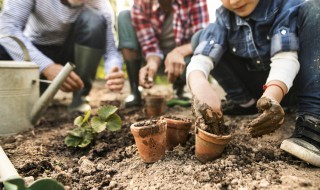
{"points": [[44, 100]]}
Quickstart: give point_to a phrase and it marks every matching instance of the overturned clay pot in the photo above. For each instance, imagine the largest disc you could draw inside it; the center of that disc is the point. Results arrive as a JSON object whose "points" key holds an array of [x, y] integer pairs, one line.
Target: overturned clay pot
{"points": [[150, 138], [177, 131]]}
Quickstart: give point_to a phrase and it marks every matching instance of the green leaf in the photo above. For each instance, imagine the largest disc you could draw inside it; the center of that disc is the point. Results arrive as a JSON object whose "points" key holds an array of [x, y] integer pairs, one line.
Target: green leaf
{"points": [[114, 123], [78, 131], [73, 141], [98, 125], [86, 140], [46, 184], [106, 111], [78, 121]]}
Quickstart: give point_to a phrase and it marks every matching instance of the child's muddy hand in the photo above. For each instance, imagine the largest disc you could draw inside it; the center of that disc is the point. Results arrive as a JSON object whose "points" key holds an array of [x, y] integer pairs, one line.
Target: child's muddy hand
{"points": [[272, 117], [214, 120]]}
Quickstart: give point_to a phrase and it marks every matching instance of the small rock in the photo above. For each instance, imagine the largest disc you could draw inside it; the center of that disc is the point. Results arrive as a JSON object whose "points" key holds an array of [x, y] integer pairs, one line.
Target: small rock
{"points": [[112, 184], [188, 170], [100, 167], [264, 183]]}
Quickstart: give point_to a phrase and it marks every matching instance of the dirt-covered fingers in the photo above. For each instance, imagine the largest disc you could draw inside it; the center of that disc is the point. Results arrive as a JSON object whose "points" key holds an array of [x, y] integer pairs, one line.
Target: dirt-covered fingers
{"points": [[264, 124], [264, 103], [258, 133], [146, 75]]}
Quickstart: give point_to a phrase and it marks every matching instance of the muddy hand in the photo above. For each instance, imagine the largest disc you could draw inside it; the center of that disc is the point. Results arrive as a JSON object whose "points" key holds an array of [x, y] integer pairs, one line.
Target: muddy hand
{"points": [[271, 118], [212, 119], [146, 75]]}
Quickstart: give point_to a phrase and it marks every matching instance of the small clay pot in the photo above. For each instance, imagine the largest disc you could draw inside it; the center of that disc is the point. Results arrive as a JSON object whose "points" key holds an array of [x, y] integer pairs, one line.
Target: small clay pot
{"points": [[155, 105], [209, 146], [150, 138], [177, 131]]}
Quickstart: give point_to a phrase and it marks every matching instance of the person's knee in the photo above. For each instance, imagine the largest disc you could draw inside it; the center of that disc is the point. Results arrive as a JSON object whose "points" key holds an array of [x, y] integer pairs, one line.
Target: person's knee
{"points": [[92, 21], [127, 35], [124, 17]]}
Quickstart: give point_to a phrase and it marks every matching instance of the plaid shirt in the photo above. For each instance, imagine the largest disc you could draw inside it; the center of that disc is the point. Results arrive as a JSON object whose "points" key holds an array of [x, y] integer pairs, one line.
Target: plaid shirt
{"points": [[188, 18]]}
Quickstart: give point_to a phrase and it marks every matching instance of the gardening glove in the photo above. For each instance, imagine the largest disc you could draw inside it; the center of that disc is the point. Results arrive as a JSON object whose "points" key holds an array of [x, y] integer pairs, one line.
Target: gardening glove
{"points": [[272, 117]]}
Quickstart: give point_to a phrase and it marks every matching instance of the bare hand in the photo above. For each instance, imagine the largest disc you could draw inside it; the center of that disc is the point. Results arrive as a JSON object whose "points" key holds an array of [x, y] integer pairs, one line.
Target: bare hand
{"points": [[71, 83], [271, 118], [175, 65], [115, 79]]}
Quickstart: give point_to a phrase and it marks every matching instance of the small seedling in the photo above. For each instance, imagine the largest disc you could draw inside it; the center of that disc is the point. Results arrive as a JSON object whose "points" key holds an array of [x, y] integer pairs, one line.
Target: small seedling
{"points": [[87, 128]]}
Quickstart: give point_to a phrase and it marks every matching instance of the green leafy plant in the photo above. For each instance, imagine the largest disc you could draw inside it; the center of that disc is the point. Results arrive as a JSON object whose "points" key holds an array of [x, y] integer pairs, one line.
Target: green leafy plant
{"points": [[40, 184], [88, 127]]}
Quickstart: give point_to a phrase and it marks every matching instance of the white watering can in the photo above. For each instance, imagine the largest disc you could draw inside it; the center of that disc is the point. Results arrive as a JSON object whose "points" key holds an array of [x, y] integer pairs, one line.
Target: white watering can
{"points": [[20, 104]]}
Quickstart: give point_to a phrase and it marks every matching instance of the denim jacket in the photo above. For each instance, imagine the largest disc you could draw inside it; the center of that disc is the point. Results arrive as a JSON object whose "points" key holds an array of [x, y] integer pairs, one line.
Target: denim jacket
{"points": [[271, 28]]}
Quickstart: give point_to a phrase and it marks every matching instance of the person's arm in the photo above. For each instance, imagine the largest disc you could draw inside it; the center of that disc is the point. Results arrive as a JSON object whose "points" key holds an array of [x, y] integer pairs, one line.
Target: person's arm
{"points": [[143, 27], [112, 58], [148, 72], [284, 68], [197, 74], [174, 63], [13, 19]]}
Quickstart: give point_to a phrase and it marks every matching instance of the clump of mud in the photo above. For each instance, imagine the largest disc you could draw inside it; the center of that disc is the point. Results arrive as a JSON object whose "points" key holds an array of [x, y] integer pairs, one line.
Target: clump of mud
{"points": [[209, 120]]}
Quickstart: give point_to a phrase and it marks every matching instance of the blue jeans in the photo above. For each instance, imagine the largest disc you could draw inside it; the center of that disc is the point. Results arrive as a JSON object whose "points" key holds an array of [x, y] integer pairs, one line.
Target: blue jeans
{"points": [[241, 84], [88, 30]]}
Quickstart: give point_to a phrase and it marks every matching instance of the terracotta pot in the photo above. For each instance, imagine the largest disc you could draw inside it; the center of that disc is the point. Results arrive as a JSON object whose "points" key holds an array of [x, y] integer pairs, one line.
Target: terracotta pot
{"points": [[177, 131], [155, 105], [209, 146], [150, 138]]}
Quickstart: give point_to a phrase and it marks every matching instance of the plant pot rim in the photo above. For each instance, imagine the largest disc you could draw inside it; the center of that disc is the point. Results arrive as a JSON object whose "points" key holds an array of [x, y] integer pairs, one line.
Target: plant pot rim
{"points": [[158, 124], [223, 139], [155, 98], [177, 124]]}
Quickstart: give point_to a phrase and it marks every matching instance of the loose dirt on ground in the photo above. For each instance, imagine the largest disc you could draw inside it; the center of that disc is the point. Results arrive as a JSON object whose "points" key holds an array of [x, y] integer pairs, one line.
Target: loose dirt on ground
{"points": [[112, 161]]}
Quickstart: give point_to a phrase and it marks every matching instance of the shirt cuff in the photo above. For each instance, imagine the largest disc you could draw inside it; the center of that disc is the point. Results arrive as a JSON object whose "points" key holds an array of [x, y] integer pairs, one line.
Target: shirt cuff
{"points": [[111, 63], [284, 67], [200, 63], [155, 54]]}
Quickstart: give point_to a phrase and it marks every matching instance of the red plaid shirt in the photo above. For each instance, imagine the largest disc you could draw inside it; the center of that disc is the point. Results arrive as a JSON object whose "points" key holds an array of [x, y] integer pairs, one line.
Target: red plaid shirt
{"points": [[189, 16]]}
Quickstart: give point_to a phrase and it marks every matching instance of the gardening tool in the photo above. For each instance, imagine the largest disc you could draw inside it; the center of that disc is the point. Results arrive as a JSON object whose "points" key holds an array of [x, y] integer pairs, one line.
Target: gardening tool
{"points": [[20, 104], [11, 180]]}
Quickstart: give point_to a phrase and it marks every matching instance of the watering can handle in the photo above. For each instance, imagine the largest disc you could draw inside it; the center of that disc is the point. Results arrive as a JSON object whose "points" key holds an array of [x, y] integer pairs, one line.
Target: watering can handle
{"points": [[26, 54]]}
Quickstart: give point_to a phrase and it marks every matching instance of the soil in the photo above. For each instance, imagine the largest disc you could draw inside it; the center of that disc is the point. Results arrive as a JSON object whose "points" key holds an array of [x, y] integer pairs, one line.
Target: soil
{"points": [[112, 161]]}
